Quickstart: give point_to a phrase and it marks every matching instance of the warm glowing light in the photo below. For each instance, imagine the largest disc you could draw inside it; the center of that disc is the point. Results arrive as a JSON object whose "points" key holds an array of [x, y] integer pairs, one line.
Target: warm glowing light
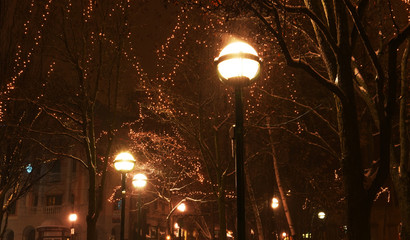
{"points": [[238, 60], [181, 207], [72, 217], [139, 180], [168, 237], [284, 234], [124, 162], [176, 225], [321, 215], [275, 203], [229, 234]]}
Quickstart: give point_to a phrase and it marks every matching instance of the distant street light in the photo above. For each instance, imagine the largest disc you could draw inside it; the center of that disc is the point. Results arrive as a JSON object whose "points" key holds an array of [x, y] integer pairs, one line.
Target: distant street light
{"points": [[238, 65], [275, 203], [72, 218], [124, 163], [181, 207], [139, 181], [321, 215]]}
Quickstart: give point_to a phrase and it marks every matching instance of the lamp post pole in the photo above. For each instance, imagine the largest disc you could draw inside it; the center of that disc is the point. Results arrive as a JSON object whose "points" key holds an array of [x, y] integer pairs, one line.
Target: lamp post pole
{"points": [[139, 181], [72, 218], [239, 164], [139, 217], [123, 176]]}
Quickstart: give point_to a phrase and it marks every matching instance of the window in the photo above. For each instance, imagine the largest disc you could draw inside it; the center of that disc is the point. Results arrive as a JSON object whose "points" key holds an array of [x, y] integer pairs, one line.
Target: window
{"points": [[54, 200]]}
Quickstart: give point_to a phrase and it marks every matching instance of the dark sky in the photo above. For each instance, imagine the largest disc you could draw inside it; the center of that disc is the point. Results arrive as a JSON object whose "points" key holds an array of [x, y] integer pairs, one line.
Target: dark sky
{"points": [[150, 26]]}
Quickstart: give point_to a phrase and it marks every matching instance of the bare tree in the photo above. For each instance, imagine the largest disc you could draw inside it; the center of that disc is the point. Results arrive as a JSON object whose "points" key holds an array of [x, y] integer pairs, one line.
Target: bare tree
{"points": [[86, 59], [21, 156]]}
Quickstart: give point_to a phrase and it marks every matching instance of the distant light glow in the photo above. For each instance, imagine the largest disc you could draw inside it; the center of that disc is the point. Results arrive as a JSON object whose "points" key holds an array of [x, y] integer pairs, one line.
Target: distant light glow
{"points": [[29, 168], [275, 203], [181, 207], [72, 217]]}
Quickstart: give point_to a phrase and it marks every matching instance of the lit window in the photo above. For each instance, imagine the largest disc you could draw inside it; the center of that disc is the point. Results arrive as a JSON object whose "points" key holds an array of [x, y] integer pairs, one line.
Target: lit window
{"points": [[54, 200]]}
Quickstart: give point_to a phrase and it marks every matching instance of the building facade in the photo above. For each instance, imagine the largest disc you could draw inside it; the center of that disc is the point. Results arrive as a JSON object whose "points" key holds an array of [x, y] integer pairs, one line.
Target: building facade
{"points": [[43, 213]]}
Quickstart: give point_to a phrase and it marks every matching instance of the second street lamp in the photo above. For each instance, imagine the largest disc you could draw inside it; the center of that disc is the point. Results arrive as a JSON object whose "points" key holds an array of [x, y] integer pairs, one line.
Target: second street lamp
{"points": [[238, 65], [139, 181], [72, 218], [124, 163]]}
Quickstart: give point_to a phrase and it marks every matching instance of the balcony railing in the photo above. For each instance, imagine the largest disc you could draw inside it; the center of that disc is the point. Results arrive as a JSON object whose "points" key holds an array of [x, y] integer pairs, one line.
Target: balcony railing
{"points": [[46, 210], [52, 210]]}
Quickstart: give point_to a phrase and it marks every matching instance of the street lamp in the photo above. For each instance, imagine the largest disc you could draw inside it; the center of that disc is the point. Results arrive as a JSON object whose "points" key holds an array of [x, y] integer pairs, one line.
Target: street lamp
{"points": [[238, 65], [181, 207], [139, 181], [321, 215], [72, 218], [275, 203], [124, 163]]}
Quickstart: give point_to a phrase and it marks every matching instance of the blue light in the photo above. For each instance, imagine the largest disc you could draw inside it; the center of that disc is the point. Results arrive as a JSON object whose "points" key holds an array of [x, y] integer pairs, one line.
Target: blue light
{"points": [[29, 168]]}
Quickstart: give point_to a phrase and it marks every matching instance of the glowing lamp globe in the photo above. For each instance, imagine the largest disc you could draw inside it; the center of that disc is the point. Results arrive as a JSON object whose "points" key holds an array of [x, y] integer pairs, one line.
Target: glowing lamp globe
{"points": [[139, 180], [181, 207], [238, 64], [275, 203], [321, 215], [124, 162], [72, 217]]}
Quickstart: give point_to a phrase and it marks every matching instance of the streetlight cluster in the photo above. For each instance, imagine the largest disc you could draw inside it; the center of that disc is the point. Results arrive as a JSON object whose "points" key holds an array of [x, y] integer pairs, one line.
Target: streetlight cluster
{"points": [[238, 65]]}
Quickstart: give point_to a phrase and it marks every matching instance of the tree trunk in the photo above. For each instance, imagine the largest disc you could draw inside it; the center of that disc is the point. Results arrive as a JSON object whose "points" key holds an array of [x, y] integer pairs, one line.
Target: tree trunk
{"points": [[91, 229], [3, 217], [401, 184], [358, 201], [399, 168], [92, 205], [279, 184]]}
